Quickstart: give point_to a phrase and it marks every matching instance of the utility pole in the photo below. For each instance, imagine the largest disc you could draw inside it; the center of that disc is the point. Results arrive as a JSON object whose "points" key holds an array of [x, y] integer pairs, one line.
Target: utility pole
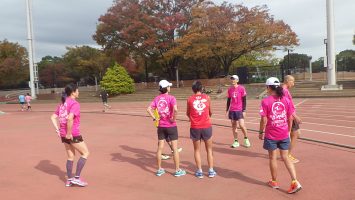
{"points": [[331, 69], [30, 47]]}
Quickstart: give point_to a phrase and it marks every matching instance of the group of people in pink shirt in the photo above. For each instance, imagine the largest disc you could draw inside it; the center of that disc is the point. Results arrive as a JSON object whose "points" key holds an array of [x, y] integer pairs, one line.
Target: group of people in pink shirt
{"points": [[277, 114], [25, 99], [277, 127]]}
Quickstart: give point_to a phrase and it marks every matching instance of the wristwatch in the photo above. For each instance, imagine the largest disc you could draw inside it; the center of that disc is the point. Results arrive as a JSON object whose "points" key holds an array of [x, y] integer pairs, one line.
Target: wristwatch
{"points": [[261, 132]]}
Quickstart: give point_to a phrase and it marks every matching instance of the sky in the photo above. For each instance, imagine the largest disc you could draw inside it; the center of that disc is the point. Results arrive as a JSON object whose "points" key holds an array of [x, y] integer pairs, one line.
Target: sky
{"points": [[69, 23]]}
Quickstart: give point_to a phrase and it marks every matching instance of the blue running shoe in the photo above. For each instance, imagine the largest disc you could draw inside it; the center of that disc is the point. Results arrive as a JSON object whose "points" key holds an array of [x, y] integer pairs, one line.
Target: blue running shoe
{"points": [[199, 174], [212, 173], [180, 172], [160, 172]]}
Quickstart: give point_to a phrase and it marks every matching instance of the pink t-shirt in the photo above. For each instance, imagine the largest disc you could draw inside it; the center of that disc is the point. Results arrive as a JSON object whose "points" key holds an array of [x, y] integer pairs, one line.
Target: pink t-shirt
{"points": [[287, 94], [236, 94], [63, 110], [28, 98], [277, 111], [165, 104]]}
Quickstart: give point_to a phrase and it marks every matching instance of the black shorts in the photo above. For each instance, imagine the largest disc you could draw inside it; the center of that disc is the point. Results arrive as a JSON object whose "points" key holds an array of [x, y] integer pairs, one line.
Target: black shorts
{"points": [[295, 126], [235, 115], [22, 103], [200, 133], [76, 139], [167, 133], [271, 145]]}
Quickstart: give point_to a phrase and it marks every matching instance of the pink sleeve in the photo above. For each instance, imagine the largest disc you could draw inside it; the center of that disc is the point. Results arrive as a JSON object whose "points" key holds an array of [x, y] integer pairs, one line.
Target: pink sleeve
{"points": [[291, 109], [153, 104], [173, 101], [228, 93], [244, 92], [263, 109], [75, 109], [57, 110]]}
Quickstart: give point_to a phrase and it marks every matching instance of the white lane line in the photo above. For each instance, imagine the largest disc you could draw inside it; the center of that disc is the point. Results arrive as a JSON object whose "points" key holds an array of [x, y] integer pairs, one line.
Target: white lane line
{"points": [[301, 102], [329, 133]]}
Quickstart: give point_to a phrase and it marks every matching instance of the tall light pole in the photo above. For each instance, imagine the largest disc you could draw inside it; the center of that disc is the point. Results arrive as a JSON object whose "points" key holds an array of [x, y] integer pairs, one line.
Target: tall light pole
{"points": [[30, 47], [331, 69]]}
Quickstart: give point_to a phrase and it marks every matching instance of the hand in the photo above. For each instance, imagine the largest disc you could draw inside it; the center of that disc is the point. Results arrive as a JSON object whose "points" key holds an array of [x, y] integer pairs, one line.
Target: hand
{"points": [[227, 114], [261, 136], [58, 132], [172, 120], [244, 114], [69, 136], [298, 120]]}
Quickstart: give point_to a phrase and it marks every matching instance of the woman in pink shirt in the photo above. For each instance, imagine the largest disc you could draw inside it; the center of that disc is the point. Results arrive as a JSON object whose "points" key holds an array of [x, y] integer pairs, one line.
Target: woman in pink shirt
{"points": [[68, 115], [28, 99], [275, 125], [167, 130]]}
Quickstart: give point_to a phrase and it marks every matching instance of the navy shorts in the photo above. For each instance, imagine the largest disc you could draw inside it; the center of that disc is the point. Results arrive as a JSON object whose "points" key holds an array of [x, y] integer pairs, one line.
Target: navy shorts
{"points": [[167, 133], [295, 126], [200, 133], [76, 139], [235, 115], [276, 144]]}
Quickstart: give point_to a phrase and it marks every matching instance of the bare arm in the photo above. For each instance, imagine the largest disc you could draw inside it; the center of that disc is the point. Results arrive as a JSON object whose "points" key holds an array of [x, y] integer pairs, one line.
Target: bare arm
{"points": [[188, 110], [70, 126], [55, 122], [175, 113], [150, 112], [210, 111], [263, 121]]}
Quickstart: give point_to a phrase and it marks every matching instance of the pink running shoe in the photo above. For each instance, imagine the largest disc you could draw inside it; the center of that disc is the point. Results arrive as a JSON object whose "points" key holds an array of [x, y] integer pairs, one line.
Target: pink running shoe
{"points": [[69, 183], [79, 182]]}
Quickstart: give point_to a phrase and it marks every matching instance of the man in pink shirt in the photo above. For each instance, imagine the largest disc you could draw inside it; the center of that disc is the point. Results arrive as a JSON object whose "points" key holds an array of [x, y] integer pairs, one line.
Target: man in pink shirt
{"points": [[236, 110], [289, 82], [275, 125], [167, 130]]}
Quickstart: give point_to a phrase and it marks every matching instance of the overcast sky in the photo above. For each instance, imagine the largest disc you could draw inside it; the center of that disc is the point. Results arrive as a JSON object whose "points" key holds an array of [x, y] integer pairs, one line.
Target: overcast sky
{"points": [[58, 24]]}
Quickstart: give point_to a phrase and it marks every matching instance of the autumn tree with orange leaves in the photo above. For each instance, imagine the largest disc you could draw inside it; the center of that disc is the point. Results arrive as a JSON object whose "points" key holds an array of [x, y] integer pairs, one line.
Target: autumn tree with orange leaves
{"points": [[228, 32]]}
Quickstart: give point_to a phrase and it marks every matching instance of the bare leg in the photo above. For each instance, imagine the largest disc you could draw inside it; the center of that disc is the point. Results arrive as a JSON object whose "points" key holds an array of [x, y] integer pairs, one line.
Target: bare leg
{"points": [[273, 164], [197, 154], [289, 165], [234, 129], [243, 127], [176, 155], [294, 136], [208, 145], [159, 152]]}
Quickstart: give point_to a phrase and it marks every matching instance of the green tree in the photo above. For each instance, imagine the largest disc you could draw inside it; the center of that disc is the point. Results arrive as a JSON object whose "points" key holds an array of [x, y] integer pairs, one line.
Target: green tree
{"points": [[13, 65], [346, 60], [295, 63], [84, 63], [117, 81], [52, 72]]}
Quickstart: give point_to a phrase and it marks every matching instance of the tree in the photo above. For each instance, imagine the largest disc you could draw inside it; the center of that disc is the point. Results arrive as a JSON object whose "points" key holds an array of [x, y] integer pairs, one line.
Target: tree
{"points": [[346, 60], [295, 63], [52, 72], [84, 63], [13, 65], [228, 32], [318, 65], [117, 81], [145, 28]]}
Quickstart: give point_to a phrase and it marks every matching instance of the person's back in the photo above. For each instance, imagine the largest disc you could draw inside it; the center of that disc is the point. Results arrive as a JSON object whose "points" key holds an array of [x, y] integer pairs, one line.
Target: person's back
{"points": [[199, 105], [21, 98], [104, 96], [278, 111], [164, 104]]}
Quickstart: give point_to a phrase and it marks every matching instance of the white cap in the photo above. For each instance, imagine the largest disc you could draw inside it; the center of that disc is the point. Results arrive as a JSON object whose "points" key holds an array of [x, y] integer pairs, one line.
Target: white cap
{"points": [[272, 81], [165, 84], [235, 77]]}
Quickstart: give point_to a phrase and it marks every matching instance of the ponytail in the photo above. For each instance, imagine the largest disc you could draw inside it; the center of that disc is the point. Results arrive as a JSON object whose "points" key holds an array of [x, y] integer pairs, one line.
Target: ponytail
{"points": [[63, 97], [278, 89]]}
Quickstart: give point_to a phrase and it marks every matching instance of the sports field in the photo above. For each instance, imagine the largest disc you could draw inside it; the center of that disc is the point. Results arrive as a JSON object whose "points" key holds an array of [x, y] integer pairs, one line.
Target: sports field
{"points": [[122, 164]]}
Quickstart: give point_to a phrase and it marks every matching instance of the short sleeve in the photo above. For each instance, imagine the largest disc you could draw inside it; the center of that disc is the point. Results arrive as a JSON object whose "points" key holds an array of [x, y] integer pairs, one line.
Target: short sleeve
{"points": [[291, 109], [228, 93], [75, 109], [173, 101], [57, 111], [263, 109], [153, 104], [244, 92]]}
